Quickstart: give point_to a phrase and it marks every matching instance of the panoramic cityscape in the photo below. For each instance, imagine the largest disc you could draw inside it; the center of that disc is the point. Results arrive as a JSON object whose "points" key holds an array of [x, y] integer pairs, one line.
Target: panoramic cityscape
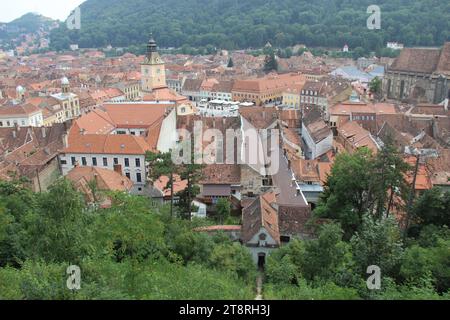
{"points": [[225, 150]]}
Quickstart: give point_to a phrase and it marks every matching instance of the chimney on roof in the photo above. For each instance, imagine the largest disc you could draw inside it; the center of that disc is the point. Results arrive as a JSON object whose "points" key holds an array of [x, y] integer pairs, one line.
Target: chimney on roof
{"points": [[118, 168], [44, 132], [65, 138]]}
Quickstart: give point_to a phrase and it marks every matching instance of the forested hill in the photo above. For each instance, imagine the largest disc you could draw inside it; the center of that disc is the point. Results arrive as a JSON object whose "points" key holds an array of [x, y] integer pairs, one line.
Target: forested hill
{"points": [[251, 23], [28, 23]]}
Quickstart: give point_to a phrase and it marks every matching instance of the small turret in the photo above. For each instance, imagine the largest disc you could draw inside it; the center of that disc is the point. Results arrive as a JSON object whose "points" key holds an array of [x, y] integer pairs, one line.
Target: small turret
{"points": [[20, 93], [65, 85]]}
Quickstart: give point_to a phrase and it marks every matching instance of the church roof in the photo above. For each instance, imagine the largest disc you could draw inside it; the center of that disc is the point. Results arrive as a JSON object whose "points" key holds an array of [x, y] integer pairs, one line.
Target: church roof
{"points": [[422, 60]]}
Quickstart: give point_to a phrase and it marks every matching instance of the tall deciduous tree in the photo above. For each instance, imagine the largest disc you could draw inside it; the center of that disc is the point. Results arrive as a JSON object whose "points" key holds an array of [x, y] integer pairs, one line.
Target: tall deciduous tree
{"points": [[58, 229], [378, 243], [375, 86], [361, 183], [192, 173], [348, 195], [223, 209], [432, 208]]}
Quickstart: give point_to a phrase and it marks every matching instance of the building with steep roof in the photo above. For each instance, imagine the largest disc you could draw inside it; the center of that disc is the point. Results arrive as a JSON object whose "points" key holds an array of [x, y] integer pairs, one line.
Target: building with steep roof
{"points": [[260, 227], [105, 180], [316, 134], [419, 75], [352, 136], [122, 153], [22, 115], [33, 153]]}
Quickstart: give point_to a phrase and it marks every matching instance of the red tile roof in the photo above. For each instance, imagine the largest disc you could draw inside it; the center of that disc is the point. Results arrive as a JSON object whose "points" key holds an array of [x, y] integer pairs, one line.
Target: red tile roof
{"points": [[107, 144]]}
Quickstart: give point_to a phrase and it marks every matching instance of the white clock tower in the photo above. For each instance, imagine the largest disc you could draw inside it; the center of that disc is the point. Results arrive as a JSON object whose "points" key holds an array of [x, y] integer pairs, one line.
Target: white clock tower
{"points": [[153, 69]]}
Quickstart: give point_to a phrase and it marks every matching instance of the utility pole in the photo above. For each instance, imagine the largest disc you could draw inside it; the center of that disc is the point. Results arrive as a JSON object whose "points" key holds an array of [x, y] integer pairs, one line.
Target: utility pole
{"points": [[38, 180], [412, 194]]}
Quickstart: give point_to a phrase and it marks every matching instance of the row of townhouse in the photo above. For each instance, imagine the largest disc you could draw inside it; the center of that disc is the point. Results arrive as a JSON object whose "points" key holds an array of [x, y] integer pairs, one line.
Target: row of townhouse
{"points": [[209, 89]]}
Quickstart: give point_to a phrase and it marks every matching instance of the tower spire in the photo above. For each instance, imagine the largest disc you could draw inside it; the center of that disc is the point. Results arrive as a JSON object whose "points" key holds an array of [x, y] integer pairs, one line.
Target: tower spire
{"points": [[151, 45]]}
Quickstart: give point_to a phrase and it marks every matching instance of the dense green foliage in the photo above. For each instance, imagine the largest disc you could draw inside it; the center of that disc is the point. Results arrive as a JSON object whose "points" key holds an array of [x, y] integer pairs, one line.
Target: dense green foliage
{"points": [[232, 24], [363, 183], [270, 62], [331, 268], [360, 231], [223, 209], [134, 251], [128, 251]]}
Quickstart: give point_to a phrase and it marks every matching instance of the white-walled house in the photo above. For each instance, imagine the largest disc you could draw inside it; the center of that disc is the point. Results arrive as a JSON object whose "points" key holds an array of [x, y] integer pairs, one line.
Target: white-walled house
{"points": [[22, 115], [121, 153], [317, 136], [260, 230]]}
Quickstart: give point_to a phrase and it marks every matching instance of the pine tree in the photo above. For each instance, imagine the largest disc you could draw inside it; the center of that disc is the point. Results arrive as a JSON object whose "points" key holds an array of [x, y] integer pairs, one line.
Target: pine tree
{"points": [[270, 63], [230, 63]]}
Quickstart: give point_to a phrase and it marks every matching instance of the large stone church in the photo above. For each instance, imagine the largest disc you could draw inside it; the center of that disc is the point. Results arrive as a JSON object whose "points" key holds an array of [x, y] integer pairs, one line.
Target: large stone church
{"points": [[419, 75]]}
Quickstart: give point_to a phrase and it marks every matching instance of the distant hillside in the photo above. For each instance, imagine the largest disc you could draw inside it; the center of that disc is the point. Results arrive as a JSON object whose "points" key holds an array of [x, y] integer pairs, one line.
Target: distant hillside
{"points": [[251, 23], [28, 23]]}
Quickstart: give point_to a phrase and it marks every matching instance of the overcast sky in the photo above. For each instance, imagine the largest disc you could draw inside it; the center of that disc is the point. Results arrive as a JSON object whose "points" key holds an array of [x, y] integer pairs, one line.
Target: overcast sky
{"points": [[56, 9]]}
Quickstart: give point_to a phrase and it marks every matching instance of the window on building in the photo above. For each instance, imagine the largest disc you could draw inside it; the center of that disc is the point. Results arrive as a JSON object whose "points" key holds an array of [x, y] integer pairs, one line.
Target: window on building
{"points": [[116, 161], [138, 177], [94, 161], [84, 161], [64, 162], [138, 162], [105, 162], [127, 162], [73, 161], [128, 175]]}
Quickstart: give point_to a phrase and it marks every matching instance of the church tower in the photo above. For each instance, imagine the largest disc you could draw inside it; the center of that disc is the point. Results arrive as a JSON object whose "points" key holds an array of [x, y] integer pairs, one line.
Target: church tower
{"points": [[153, 71]]}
